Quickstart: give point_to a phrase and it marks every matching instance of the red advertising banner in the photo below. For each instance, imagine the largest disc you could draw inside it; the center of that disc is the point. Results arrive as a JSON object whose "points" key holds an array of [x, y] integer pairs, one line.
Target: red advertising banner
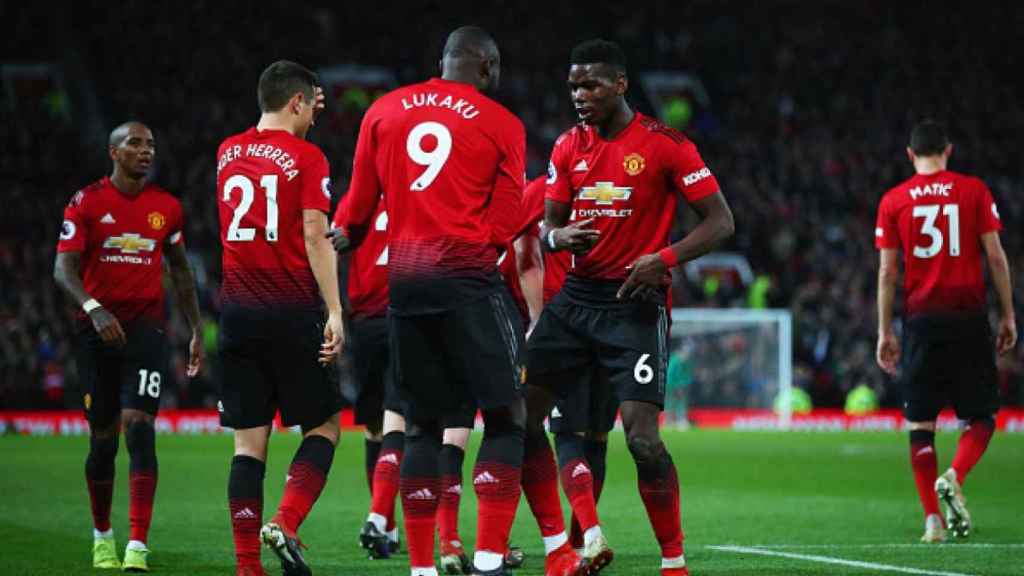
{"points": [[71, 423]]}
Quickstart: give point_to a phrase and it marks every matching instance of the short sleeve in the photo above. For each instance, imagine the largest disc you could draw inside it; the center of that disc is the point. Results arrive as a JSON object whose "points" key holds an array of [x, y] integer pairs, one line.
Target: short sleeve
{"points": [[177, 235], [886, 233], [988, 213], [74, 229], [557, 183], [316, 184], [689, 173]]}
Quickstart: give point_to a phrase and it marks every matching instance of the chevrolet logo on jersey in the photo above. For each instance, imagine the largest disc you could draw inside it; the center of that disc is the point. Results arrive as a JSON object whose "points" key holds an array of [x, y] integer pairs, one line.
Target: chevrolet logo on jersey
{"points": [[130, 243], [605, 193]]}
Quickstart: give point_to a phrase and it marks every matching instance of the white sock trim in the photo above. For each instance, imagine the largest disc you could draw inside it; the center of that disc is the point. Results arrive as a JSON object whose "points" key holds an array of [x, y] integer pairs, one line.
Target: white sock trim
{"points": [[136, 545], [552, 543], [428, 571], [379, 521], [678, 562], [484, 560], [592, 533], [96, 534], [393, 534]]}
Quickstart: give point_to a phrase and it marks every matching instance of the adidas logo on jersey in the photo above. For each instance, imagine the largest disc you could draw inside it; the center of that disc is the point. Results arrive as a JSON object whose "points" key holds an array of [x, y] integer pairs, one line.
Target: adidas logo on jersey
{"points": [[580, 470], [485, 477], [390, 458], [581, 166], [245, 514], [108, 219], [422, 494], [556, 413], [454, 489]]}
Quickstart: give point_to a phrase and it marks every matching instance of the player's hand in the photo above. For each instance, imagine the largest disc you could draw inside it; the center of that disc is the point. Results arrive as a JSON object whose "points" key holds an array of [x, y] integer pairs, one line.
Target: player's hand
{"points": [[338, 239], [577, 237], [319, 102], [646, 277], [888, 354], [334, 339], [108, 327], [1006, 340], [195, 355]]}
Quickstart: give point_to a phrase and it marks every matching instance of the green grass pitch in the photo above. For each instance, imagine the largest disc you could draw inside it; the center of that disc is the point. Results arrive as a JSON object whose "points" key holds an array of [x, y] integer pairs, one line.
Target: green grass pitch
{"points": [[831, 496]]}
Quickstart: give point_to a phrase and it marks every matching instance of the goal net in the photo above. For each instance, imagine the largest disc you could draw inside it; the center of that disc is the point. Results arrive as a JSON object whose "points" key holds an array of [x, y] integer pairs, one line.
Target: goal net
{"points": [[730, 359]]}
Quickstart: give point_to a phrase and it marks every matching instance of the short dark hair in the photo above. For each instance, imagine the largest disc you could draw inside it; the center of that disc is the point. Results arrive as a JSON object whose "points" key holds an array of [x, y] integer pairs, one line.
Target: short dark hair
{"points": [[599, 51], [280, 81], [928, 138]]}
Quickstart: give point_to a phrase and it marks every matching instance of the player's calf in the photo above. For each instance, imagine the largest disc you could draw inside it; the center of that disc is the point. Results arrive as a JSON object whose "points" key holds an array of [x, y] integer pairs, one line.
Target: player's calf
{"points": [[140, 439]]}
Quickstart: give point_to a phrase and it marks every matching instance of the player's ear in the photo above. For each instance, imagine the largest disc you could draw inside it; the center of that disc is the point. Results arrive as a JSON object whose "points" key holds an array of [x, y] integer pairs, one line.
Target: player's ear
{"points": [[621, 84], [910, 155], [113, 153], [295, 104], [948, 151]]}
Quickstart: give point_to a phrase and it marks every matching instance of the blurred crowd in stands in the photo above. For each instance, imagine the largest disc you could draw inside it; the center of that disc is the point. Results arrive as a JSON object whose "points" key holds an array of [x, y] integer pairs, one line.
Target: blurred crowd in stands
{"points": [[808, 111]]}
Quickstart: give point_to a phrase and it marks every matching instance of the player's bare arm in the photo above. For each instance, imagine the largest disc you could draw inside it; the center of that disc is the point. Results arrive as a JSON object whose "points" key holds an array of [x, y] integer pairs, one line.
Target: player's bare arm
{"points": [[67, 271], [888, 353], [649, 271], [557, 234], [999, 268], [530, 263], [324, 263], [185, 288]]}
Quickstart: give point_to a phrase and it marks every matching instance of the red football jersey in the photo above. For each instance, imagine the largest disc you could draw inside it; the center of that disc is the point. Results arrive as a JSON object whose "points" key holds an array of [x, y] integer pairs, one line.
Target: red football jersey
{"points": [[368, 263], [265, 179], [627, 185], [938, 219], [449, 161], [121, 239]]}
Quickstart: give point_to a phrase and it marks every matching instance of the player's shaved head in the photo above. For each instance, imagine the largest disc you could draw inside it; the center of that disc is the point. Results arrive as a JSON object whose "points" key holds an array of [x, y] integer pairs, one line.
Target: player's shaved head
{"points": [[470, 42], [471, 56], [119, 134]]}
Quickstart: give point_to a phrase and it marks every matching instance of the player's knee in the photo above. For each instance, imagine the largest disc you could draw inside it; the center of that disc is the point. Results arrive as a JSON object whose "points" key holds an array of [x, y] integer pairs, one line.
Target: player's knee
{"points": [[509, 419], [102, 453], [140, 439], [926, 426], [644, 447]]}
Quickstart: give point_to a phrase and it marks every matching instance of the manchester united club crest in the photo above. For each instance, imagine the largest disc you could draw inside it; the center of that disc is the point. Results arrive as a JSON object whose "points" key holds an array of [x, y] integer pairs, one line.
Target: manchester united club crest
{"points": [[87, 401], [633, 164], [156, 220]]}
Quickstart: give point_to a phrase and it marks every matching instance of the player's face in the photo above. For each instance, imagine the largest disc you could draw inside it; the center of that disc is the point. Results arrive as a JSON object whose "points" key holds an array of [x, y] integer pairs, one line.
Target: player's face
{"points": [[136, 152], [595, 90]]}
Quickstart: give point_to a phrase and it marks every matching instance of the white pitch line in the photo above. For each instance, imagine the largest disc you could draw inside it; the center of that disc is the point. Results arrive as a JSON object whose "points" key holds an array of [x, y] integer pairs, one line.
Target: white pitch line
{"points": [[946, 546], [830, 560]]}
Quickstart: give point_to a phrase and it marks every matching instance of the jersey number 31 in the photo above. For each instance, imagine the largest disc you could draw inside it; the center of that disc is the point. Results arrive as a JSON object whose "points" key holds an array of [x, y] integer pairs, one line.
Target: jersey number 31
{"points": [[930, 214]]}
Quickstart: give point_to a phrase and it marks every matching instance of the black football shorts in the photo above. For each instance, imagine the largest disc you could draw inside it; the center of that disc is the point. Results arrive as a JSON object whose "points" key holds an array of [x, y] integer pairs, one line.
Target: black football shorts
{"points": [[588, 408], [948, 360], [625, 341], [129, 377], [370, 347], [268, 362], [447, 364]]}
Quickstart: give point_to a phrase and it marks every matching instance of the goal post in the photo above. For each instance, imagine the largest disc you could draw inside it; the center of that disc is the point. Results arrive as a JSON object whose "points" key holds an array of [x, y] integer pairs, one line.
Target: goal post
{"points": [[730, 358]]}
